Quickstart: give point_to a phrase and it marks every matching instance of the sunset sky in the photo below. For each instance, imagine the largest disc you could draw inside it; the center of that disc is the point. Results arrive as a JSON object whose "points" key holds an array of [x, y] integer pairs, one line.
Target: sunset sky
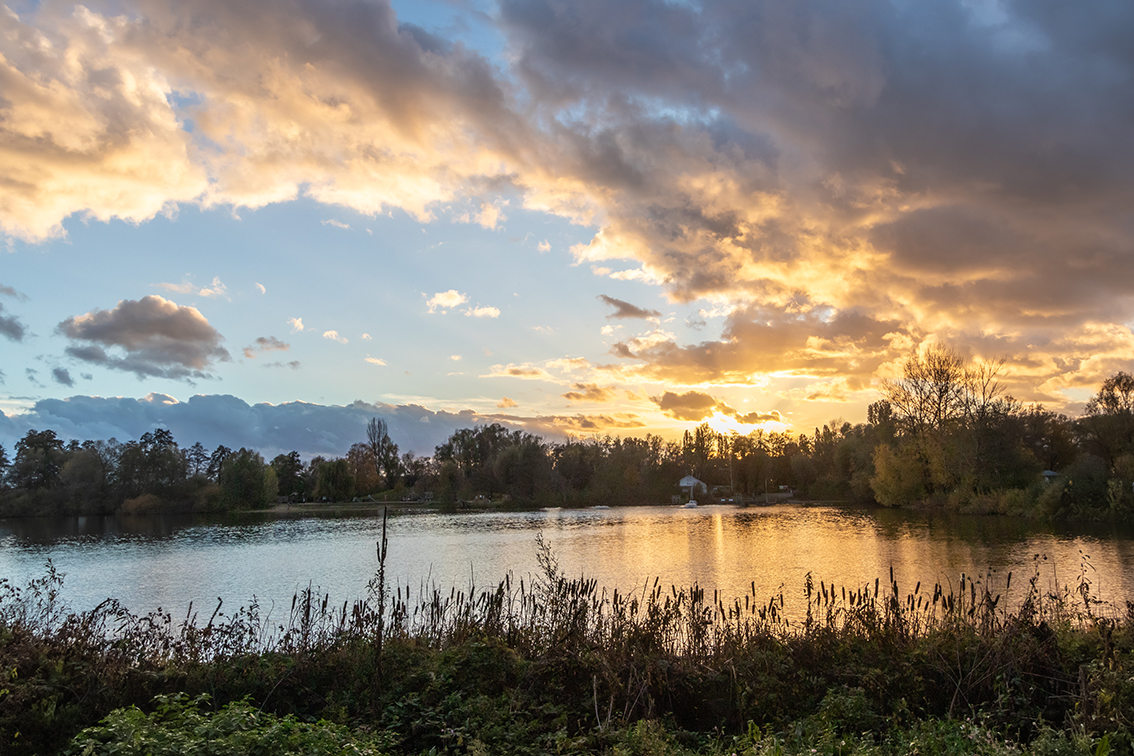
{"points": [[260, 223]]}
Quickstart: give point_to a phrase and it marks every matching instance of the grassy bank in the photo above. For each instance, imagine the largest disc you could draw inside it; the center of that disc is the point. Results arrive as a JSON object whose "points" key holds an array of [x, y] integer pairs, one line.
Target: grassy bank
{"points": [[549, 664]]}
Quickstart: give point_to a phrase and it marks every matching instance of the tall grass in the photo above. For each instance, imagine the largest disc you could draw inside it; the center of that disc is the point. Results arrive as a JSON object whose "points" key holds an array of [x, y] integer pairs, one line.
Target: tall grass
{"points": [[582, 657]]}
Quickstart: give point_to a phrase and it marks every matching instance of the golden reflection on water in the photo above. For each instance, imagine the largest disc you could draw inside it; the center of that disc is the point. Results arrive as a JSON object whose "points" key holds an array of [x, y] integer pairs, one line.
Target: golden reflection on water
{"points": [[759, 552]]}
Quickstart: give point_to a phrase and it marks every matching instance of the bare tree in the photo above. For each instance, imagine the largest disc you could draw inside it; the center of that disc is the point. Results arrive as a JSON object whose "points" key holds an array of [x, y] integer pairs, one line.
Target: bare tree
{"points": [[931, 392], [385, 451]]}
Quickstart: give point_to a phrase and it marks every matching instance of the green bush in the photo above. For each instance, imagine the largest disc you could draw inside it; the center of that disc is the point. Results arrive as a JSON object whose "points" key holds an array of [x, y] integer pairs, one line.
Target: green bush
{"points": [[178, 727]]}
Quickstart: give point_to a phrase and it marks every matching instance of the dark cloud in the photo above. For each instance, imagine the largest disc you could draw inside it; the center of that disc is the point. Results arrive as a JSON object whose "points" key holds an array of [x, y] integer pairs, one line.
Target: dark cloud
{"points": [[558, 427], [949, 168], [589, 392], [62, 376], [695, 406], [33, 377], [271, 429], [293, 364], [627, 310], [753, 418], [11, 326], [219, 419], [692, 405], [265, 344], [158, 338]]}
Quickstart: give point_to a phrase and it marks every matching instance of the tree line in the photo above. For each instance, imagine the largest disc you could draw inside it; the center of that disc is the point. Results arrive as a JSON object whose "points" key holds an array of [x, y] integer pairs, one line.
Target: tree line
{"points": [[944, 434]]}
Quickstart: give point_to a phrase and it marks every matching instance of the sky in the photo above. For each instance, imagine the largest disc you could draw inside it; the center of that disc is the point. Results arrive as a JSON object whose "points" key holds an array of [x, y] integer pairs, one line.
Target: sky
{"points": [[262, 223]]}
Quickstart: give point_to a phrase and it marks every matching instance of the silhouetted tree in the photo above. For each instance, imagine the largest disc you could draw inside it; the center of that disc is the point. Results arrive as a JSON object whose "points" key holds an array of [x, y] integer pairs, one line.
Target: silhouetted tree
{"points": [[216, 461], [1107, 428], [289, 473], [197, 458], [39, 458]]}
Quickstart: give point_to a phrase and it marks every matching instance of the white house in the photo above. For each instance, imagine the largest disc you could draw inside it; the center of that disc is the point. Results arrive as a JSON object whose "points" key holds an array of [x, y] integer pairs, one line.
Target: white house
{"points": [[689, 482]]}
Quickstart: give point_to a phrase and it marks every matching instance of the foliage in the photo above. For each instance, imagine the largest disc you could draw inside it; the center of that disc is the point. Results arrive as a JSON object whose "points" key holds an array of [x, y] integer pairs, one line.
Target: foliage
{"points": [[245, 481], [177, 726]]}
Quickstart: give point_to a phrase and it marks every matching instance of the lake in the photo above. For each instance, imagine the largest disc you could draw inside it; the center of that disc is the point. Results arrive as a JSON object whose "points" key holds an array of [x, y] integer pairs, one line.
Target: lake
{"points": [[169, 561]]}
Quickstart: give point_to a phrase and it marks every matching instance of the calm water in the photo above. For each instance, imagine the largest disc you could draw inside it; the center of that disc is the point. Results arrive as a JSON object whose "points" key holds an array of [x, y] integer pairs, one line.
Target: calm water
{"points": [[151, 562]]}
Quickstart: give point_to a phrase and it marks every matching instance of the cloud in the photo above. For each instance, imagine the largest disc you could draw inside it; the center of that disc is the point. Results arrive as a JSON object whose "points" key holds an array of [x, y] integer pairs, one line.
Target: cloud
{"points": [[544, 246], [216, 419], [157, 338], [263, 289], [455, 357], [489, 215], [482, 312], [88, 127], [817, 343], [11, 326], [446, 300], [62, 376], [366, 337], [589, 392], [334, 336], [527, 371], [627, 310], [265, 344], [569, 363], [506, 403], [296, 324], [336, 224], [376, 360], [692, 405], [558, 425], [696, 406], [960, 173], [293, 364], [213, 291]]}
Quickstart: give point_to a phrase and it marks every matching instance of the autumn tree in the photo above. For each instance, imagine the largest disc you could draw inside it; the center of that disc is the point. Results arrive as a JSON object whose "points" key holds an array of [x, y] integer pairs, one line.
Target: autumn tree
{"points": [[364, 469]]}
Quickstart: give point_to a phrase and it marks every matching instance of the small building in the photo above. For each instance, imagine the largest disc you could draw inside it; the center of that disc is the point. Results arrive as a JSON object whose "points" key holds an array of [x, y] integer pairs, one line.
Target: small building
{"points": [[689, 483]]}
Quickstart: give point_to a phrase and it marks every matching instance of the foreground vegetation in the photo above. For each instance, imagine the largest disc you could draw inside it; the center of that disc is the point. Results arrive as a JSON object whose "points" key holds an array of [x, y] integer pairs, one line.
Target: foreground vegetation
{"points": [[944, 434], [557, 665]]}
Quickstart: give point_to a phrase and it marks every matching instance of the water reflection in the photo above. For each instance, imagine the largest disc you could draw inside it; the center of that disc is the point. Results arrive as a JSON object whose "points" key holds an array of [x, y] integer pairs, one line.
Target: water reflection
{"points": [[170, 561]]}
